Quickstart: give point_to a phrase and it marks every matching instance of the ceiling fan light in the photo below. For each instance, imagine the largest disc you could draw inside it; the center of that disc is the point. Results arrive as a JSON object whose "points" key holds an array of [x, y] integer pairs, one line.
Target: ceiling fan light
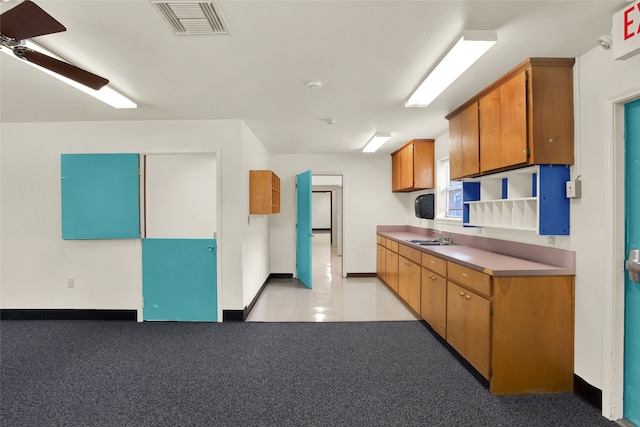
{"points": [[105, 94]]}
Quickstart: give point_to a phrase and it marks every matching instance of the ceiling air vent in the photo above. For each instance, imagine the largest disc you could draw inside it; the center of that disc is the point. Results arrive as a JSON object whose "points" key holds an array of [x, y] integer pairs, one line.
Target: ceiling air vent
{"points": [[192, 17]]}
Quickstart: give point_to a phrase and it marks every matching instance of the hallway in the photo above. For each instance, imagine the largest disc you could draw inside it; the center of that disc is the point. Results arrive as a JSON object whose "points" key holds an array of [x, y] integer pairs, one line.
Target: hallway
{"points": [[332, 298]]}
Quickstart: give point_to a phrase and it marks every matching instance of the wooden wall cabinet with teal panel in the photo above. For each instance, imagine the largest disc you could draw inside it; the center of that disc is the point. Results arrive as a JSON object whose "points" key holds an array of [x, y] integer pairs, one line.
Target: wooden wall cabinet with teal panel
{"points": [[531, 199]]}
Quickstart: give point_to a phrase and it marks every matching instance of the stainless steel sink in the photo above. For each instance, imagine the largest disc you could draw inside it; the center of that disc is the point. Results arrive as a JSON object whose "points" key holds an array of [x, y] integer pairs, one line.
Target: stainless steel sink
{"points": [[429, 242]]}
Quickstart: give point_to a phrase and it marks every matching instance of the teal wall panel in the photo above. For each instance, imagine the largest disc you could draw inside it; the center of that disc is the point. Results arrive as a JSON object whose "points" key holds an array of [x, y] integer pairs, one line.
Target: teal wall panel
{"points": [[179, 279], [100, 196]]}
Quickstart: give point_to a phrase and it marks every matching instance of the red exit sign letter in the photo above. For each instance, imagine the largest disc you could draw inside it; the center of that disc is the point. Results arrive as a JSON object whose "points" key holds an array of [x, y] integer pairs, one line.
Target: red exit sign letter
{"points": [[626, 31], [629, 24]]}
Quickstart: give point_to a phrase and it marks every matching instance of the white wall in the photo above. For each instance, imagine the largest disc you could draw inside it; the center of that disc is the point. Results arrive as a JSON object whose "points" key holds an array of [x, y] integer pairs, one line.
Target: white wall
{"points": [[180, 196], [368, 202], [36, 262], [321, 209], [255, 241]]}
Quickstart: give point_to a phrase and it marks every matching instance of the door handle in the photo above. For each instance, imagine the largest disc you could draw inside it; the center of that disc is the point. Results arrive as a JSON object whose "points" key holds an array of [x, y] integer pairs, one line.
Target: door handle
{"points": [[633, 265]]}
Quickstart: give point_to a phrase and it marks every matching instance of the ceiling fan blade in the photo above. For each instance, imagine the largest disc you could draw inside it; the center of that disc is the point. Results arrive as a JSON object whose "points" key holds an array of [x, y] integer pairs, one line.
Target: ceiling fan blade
{"points": [[63, 68], [28, 20]]}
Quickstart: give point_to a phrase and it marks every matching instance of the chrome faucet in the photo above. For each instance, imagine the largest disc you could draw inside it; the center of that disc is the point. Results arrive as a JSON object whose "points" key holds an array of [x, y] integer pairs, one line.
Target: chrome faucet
{"points": [[444, 240]]}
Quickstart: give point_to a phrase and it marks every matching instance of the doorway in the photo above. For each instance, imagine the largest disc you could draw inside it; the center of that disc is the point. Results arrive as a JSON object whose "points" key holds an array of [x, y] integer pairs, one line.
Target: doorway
{"points": [[631, 394], [614, 400], [327, 191]]}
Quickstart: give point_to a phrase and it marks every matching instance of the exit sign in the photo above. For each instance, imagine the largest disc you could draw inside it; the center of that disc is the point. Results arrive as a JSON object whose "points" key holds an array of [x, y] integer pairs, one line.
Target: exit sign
{"points": [[626, 31]]}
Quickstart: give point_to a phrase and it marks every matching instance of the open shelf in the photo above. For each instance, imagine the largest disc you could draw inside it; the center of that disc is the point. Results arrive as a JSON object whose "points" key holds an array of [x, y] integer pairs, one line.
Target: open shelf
{"points": [[530, 199]]}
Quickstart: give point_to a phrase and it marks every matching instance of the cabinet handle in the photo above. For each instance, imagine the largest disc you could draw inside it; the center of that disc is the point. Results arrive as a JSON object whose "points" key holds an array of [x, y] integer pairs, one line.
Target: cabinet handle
{"points": [[432, 277], [432, 262], [464, 274], [461, 294], [468, 297]]}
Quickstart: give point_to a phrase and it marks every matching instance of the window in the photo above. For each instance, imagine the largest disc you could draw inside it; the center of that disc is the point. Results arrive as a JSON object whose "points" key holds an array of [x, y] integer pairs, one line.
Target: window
{"points": [[449, 193]]}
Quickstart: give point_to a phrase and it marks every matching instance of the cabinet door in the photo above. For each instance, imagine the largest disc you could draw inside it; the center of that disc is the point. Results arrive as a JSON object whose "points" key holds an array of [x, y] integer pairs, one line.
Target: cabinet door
{"points": [[433, 301], [456, 317], [455, 147], [406, 167], [414, 291], [513, 121], [470, 141], [391, 269], [380, 261], [423, 164], [396, 172], [490, 131], [403, 278], [477, 332]]}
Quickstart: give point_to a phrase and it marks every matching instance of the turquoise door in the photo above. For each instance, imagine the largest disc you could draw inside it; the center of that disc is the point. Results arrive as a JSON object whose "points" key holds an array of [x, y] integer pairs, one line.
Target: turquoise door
{"points": [[632, 241], [179, 280], [303, 228]]}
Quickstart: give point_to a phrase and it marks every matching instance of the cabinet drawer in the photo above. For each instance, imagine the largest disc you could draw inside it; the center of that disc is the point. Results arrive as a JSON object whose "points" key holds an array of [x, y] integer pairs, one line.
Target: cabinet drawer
{"points": [[410, 253], [392, 245], [381, 240], [472, 279], [435, 264]]}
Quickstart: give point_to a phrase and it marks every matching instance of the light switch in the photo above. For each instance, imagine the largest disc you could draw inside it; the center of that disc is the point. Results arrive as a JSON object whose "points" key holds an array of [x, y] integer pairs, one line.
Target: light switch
{"points": [[574, 189]]}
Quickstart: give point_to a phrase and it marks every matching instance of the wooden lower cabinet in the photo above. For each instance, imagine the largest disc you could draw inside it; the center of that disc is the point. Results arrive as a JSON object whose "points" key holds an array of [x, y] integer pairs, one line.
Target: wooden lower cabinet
{"points": [[469, 326], [409, 282], [381, 260], [433, 301], [391, 269], [517, 331], [532, 334]]}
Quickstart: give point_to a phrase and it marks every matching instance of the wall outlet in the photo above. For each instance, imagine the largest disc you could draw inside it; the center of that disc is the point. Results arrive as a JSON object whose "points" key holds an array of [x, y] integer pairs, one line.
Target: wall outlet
{"points": [[574, 189], [551, 240], [70, 283]]}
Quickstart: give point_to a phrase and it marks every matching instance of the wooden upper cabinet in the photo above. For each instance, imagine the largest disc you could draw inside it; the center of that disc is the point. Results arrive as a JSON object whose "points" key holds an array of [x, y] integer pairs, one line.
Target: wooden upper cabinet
{"points": [[412, 166], [464, 151], [264, 192], [550, 113], [396, 173], [525, 118], [455, 147], [513, 121], [490, 131]]}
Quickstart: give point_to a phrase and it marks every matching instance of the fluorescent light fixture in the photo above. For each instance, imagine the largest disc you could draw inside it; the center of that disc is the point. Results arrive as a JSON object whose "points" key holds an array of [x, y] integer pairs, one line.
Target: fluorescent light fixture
{"points": [[105, 94], [467, 50], [376, 141]]}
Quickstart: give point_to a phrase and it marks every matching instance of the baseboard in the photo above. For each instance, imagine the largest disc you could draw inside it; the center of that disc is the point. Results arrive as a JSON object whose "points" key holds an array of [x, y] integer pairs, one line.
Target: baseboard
{"points": [[280, 276], [67, 314], [233, 315], [361, 275], [590, 394], [241, 315]]}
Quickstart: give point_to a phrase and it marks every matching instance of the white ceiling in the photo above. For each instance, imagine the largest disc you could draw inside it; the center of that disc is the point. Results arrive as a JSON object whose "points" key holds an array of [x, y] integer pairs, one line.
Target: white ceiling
{"points": [[369, 56]]}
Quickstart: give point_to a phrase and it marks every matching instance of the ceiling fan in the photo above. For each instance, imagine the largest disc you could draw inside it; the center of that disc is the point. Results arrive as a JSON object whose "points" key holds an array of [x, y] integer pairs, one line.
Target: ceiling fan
{"points": [[28, 20]]}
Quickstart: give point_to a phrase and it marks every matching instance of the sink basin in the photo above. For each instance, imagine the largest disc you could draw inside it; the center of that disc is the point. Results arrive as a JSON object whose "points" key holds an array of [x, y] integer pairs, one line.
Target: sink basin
{"points": [[428, 242]]}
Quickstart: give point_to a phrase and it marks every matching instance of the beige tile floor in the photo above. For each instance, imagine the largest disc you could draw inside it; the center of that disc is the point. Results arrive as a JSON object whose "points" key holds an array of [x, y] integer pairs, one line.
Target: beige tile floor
{"points": [[331, 299]]}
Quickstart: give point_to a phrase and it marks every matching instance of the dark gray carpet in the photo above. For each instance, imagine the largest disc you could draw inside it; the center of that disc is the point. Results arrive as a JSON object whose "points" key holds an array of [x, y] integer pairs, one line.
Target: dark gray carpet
{"points": [[101, 373]]}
